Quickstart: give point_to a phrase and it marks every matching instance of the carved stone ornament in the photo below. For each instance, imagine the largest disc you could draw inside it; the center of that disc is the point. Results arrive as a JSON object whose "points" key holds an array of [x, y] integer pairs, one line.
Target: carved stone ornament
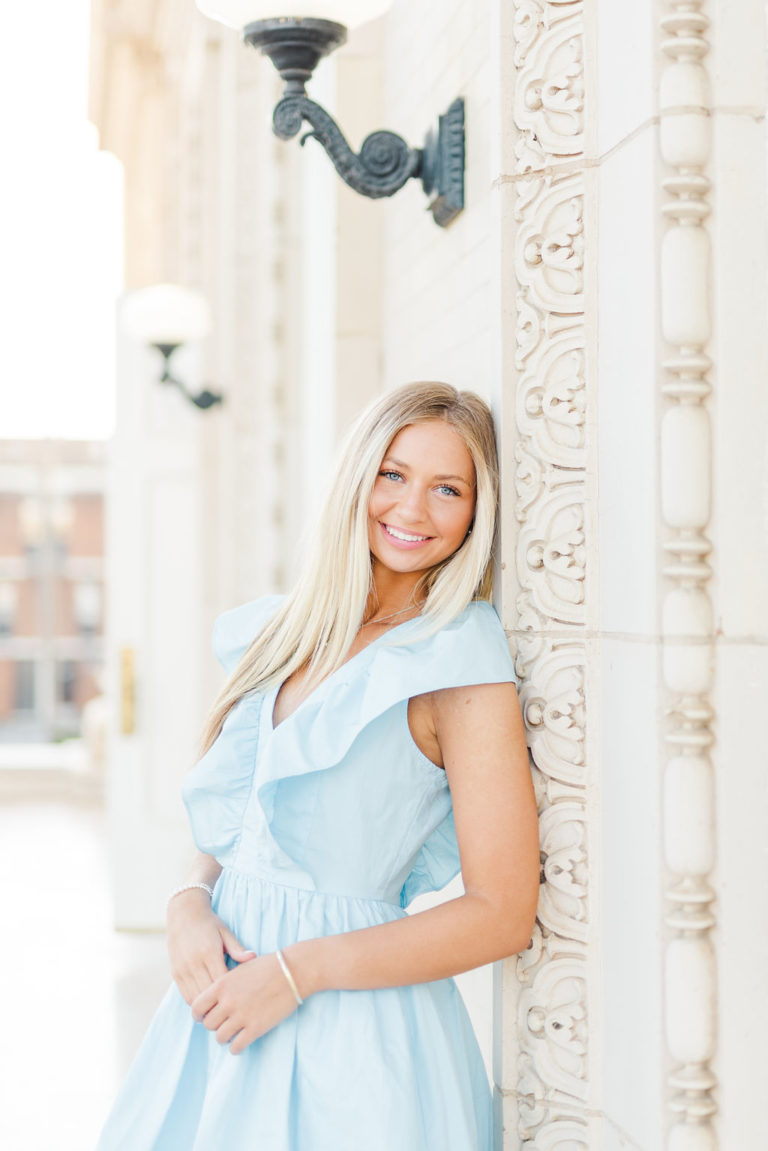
{"points": [[551, 561], [552, 699], [563, 904], [551, 400], [552, 1016]]}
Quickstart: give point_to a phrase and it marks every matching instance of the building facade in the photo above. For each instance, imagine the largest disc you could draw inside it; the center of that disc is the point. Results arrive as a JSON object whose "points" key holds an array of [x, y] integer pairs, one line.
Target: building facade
{"points": [[605, 288], [51, 585]]}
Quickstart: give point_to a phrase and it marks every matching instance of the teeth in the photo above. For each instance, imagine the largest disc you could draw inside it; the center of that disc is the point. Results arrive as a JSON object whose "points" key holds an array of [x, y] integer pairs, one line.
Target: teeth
{"points": [[402, 536]]}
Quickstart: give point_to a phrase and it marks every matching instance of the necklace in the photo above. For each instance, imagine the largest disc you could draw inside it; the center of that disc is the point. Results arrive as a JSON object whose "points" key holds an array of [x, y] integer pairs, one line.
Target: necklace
{"points": [[384, 618]]}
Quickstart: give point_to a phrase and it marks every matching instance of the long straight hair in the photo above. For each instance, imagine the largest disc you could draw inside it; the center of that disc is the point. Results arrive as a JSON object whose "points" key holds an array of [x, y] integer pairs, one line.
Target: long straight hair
{"points": [[317, 622]]}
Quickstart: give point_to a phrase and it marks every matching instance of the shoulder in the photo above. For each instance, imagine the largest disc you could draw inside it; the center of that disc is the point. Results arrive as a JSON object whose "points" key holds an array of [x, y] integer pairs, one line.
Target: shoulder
{"points": [[472, 681], [476, 645], [478, 620], [470, 649], [235, 629]]}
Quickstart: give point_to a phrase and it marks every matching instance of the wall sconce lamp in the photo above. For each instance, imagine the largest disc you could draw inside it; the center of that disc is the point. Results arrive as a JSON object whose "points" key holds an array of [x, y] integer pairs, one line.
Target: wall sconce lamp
{"points": [[385, 162], [166, 316]]}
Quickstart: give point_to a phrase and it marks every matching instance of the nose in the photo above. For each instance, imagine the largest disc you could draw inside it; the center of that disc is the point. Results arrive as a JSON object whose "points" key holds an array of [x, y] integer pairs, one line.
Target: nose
{"points": [[412, 503]]}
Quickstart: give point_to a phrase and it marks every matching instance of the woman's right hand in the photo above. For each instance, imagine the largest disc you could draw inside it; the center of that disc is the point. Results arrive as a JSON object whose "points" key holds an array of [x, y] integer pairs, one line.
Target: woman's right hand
{"points": [[198, 943]]}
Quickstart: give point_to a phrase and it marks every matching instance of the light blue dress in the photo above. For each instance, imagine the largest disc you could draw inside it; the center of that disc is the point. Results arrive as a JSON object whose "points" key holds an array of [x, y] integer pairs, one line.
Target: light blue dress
{"points": [[330, 822]]}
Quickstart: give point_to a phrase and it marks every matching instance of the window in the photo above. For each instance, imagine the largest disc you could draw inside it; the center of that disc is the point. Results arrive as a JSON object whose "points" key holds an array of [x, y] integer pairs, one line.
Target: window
{"points": [[8, 601], [66, 681], [87, 607], [25, 685]]}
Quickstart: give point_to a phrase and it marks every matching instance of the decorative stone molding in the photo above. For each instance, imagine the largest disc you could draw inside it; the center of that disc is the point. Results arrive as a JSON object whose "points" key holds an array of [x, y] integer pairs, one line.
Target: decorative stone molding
{"points": [[552, 698], [551, 489], [562, 908], [687, 616], [552, 1014]]}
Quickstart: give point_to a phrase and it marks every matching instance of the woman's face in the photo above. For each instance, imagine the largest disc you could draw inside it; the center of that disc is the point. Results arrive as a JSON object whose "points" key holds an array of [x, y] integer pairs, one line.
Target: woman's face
{"points": [[423, 499]]}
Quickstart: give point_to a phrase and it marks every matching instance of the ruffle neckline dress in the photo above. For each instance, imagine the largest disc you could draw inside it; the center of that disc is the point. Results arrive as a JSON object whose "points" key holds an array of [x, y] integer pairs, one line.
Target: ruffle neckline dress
{"points": [[332, 821]]}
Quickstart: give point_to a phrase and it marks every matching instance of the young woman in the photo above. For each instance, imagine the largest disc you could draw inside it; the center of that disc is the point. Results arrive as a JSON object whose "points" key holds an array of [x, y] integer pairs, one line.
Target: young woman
{"points": [[368, 743]]}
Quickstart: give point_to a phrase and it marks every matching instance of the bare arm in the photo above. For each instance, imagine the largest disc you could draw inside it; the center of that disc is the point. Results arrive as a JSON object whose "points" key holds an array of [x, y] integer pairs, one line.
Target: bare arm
{"points": [[481, 737], [482, 740], [204, 869]]}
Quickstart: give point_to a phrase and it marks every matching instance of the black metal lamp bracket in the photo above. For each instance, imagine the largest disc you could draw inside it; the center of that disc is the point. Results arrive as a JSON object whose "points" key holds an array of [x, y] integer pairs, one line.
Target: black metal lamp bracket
{"points": [[385, 161], [204, 399]]}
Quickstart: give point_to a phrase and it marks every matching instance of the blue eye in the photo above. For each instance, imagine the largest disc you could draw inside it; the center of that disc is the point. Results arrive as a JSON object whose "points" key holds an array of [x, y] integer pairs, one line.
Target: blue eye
{"points": [[390, 475], [447, 489]]}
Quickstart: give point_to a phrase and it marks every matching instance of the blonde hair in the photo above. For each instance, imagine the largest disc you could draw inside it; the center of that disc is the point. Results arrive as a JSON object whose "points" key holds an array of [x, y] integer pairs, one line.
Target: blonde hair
{"points": [[317, 623]]}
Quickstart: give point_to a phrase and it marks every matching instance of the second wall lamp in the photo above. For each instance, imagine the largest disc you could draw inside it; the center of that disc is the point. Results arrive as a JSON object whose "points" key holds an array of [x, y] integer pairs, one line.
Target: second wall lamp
{"points": [[165, 317], [385, 162]]}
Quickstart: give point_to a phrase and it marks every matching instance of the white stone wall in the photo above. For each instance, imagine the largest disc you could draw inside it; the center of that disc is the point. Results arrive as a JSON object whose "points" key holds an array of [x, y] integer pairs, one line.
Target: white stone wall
{"points": [[739, 301], [439, 308], [625, 720]]}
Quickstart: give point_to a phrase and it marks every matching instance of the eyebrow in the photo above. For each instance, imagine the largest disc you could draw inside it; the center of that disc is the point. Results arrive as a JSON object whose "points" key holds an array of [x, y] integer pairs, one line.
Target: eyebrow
{"points": [[401, 464]]}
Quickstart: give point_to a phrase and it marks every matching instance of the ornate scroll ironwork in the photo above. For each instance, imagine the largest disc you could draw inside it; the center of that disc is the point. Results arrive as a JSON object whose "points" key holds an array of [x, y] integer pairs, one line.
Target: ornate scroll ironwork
{"points": [[385, 162]]}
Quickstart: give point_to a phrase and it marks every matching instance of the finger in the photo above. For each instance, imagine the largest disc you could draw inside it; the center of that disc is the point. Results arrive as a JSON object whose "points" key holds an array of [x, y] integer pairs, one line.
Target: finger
{"points": [[202, 981], [203, 1003], [215, 1018], [189, 983], [215, 967], [228, 1029], [234, 947], [192, 982], [187, 992], [242, 1040]]}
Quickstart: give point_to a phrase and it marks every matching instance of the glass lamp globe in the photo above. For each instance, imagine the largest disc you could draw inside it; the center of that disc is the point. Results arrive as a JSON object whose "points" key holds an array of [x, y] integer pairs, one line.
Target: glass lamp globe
{"points": [[238, 13], [166, 314]]}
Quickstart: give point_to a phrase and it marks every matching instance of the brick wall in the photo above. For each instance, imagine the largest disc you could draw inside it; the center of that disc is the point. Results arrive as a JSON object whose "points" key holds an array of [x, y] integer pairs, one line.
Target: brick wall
{"points": [[51, 561]]}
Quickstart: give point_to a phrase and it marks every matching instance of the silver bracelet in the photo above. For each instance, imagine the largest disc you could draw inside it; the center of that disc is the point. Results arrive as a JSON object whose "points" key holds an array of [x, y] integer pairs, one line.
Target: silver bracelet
{"points": [[190, 887], [289, 977]]}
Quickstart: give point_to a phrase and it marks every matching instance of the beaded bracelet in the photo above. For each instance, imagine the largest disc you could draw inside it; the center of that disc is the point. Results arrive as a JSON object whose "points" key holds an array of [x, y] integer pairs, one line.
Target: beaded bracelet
{"points": [[190, 887], [289, 977]]}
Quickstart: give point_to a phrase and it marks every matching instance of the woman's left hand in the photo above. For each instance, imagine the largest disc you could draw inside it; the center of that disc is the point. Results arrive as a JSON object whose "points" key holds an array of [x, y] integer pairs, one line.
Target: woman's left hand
{"points": [[245, 1003]]}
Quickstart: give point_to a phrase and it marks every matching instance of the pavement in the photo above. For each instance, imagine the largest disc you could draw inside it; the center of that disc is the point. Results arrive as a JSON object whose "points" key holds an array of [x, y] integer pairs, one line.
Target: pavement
{"points": [[77, 994]]}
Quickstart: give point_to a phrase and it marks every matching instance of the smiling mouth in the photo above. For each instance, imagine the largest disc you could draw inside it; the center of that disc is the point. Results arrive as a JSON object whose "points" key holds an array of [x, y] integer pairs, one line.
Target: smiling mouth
{"points": [[404, 537]]}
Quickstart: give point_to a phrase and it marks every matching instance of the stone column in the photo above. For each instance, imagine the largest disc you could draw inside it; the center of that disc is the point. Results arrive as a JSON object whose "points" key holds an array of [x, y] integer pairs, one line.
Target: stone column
{"points": [[714, 423], [687, 617], [156, 648]]}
